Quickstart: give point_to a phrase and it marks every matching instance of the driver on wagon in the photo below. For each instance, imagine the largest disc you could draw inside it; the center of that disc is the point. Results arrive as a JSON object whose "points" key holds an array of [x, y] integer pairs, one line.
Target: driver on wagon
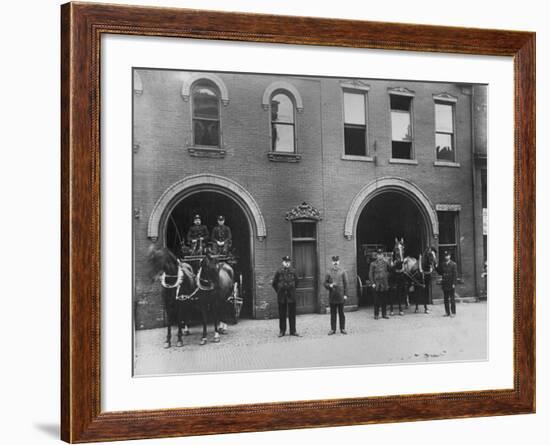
{"points": [[197, 236]]}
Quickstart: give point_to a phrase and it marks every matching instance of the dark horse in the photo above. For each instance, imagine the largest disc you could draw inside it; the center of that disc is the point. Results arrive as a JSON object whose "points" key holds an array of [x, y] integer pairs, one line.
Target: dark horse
{"points": [[215, 283], [177, 280], [428, 263], [411, 278]]}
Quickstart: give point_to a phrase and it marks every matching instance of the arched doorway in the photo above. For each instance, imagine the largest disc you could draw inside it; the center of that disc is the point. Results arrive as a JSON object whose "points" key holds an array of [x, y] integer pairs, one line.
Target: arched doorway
{"points": [[209, 204], [211, 195], [383, 210]]}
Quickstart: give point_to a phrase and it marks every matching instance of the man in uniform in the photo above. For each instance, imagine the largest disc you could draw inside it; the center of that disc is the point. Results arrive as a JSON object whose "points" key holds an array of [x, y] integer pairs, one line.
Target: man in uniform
{"points": [[378, 276], [197, 236], [284, 283], [221, 237], [448, 273], [336, 282]]}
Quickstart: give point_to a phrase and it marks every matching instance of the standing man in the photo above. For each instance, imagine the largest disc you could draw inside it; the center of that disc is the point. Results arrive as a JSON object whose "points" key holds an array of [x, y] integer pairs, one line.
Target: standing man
{"points": [[284, 283], [448, 273], [221, 237], [336, 282], [378, 275], [197, 236]]}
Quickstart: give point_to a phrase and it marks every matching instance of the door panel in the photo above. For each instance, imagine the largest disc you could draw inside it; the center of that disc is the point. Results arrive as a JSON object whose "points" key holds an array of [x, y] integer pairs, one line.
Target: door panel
{"points": [[305, 261]]}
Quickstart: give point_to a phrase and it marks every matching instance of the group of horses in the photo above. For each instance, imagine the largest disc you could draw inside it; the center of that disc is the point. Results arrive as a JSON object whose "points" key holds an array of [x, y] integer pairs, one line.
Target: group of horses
{"points": [[209, 290], [211, 287], [411, 275]]}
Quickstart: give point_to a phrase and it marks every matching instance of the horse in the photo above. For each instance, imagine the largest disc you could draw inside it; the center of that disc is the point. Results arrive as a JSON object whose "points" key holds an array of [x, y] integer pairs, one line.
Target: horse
{"points": [[215, 281], [177, 280], [410, 267], [428, 263], [398, 284]]}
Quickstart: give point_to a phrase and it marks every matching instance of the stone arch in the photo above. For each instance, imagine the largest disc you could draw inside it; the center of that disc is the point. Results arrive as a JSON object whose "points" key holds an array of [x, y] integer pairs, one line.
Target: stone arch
{"points": [[206, 182], [188, 83], [385, 184], [287, 87]]}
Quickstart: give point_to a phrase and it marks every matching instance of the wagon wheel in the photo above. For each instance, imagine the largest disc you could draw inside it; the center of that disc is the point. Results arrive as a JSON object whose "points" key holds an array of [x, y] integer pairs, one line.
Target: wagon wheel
{"points": [[237, 298]]}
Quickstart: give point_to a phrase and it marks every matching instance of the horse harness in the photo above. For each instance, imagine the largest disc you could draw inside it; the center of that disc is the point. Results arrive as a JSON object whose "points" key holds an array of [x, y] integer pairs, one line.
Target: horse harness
{"points": [[179, 280], [177, 285]]}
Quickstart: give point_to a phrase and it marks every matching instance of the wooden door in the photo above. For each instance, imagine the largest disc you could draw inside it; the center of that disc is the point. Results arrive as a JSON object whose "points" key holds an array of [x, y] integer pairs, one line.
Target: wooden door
{"points": [[304, 252]]}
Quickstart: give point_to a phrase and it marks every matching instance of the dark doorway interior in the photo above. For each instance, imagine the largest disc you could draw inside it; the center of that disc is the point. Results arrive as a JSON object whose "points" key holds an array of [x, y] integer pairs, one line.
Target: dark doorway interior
{"points": [[209, 205], [385, 217]]}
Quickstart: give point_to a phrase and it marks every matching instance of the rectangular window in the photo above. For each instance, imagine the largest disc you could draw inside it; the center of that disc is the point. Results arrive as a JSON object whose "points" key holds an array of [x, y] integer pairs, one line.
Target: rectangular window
{"points": [[355, 123], [449, 236], [401, 127], [444, 132]]}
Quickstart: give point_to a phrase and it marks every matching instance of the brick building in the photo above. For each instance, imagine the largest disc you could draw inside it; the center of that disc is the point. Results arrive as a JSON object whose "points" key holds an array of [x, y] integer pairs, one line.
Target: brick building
{"points": [[307, 166]]}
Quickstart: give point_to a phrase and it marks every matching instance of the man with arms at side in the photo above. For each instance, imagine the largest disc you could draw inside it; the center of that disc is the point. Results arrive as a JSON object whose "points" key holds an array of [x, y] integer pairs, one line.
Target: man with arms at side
{"points": [[448, 273], [378, 275], [284, 283], [336, 282]]}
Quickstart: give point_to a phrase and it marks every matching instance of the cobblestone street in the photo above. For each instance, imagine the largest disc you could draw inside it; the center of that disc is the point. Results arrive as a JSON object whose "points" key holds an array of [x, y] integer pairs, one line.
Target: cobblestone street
{"points": [[254, 345]]}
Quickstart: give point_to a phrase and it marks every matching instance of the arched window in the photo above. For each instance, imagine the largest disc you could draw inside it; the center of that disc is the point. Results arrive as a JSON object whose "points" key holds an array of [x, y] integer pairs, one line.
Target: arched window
{"points": [[206, 114], [283, 134]]}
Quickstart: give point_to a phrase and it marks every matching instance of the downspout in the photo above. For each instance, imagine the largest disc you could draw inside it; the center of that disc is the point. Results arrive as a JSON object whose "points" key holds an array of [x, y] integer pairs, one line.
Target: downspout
{"points": [[474, 188]]}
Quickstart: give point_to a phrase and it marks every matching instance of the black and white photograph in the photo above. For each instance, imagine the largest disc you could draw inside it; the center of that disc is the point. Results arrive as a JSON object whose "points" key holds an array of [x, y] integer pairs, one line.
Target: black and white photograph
{"points": [[297, 221]]}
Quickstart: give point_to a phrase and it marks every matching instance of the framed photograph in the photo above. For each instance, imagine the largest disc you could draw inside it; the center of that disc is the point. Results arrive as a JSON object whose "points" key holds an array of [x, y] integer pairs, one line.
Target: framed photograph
{"points": [[276, 222]]}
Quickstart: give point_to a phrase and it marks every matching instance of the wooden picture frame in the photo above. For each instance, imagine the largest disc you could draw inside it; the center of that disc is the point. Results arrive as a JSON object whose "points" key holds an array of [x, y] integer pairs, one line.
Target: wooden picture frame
{"points": [[82, 26]]}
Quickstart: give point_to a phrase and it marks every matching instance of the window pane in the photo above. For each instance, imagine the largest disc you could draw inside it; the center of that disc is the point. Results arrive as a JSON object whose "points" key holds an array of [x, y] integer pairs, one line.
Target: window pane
{"points": [[354, 138], [206, 132], [444, 147], [282, 136], [205, 103], [303, 230], [354, 108], [401, 126], [401, 150], [444, 118], [447, 228], [398, 102], [282, 109]]}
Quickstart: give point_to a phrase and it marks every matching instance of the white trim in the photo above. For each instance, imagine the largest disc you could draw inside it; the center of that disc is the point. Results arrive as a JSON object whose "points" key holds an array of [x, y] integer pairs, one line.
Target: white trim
{"points": [[446, 164], [357, 158], [284, 86], [448, 207], [386, 184], [188, 83], [403, 161], [178, 187]]}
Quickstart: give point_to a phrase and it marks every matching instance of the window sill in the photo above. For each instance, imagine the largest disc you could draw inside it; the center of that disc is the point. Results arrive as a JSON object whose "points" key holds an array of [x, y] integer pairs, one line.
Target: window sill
{"points": [[357, 158], [403, 161], [207, 152], [283, 157], [446, 164]]}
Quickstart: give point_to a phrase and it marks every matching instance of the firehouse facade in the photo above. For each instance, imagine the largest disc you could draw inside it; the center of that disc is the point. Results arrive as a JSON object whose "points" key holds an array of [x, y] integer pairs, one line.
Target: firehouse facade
{"points": [[308, 167]]}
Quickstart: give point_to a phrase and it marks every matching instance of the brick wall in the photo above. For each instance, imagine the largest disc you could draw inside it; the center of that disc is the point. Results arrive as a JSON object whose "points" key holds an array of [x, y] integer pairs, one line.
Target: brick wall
{"points": [[162, 129]]}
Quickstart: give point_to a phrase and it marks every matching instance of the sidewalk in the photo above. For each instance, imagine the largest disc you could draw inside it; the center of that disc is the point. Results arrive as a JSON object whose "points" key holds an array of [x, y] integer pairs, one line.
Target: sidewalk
{"points": [[254, 345]]}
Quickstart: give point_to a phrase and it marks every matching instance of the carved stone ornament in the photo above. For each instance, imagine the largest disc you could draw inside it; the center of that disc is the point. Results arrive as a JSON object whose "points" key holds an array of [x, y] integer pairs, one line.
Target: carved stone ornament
{"points": [[355, 84], [303, 211], [445, 97], [401, 91]]}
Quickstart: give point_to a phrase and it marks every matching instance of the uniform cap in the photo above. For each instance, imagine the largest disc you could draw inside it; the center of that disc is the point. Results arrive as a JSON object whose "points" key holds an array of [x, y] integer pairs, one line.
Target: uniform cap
{"points": [[197, 216], [335, 258], [221, 218], [446, 253], [286, 258], [378, 250]]}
